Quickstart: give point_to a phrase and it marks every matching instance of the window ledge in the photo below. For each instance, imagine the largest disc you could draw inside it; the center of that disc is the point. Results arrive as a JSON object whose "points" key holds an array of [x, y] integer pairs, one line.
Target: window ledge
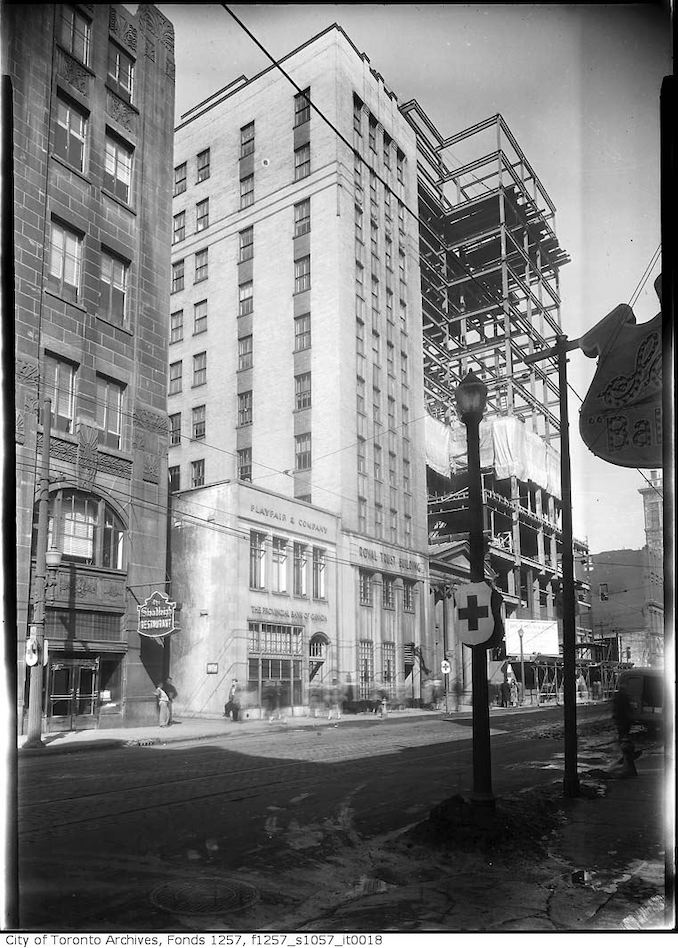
{"points": [[118, 201], [103, 319], [64, 299], [64, 164]]}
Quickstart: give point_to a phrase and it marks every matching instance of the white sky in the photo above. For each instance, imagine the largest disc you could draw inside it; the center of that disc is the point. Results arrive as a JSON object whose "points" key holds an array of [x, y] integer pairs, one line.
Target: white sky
{"points": [[579, 87]]}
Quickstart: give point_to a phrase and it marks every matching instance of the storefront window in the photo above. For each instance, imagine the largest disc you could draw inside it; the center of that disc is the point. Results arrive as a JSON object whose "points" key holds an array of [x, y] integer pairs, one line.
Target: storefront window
{"points": [[85, 528]]}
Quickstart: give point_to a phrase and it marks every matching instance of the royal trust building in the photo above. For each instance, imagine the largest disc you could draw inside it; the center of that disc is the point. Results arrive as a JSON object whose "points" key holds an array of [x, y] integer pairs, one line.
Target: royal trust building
{"points": [[295, 390], [89, 98]]}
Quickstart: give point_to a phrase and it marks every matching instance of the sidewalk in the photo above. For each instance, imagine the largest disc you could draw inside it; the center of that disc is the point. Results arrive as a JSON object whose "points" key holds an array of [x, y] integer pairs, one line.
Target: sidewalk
{"points": [[192, 729]]}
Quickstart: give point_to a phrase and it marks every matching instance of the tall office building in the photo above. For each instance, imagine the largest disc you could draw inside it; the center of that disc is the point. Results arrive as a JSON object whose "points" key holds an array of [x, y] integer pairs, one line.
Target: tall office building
{"points": [[296, 396], [92, 95]]}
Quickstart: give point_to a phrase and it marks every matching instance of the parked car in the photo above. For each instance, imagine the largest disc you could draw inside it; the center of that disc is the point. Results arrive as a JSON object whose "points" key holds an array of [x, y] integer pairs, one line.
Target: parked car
{"points": [[645, 688]]}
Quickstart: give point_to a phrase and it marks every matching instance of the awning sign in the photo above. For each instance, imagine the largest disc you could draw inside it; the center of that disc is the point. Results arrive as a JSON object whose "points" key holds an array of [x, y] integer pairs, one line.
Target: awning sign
{"points": [[156, 616]]}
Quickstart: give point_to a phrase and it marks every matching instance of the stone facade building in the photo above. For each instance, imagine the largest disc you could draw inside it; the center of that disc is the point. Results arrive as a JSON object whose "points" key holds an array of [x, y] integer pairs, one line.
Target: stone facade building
{"points": [[296, 388], [92, 95]]}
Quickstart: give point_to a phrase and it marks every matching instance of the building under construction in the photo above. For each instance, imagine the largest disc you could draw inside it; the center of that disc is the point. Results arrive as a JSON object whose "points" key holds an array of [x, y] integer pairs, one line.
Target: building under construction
{"points": [[490, 262]]}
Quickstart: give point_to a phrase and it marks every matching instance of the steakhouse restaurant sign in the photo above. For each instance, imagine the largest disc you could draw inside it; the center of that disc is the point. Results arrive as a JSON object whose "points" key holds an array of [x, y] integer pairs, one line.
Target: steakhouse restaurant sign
{"points": [[156, 616]]}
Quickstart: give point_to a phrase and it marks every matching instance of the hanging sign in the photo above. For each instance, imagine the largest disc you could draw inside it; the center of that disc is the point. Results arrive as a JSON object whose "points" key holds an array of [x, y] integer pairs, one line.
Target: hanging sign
{"points": [[156, 616], [479, 614], [620, 419]]}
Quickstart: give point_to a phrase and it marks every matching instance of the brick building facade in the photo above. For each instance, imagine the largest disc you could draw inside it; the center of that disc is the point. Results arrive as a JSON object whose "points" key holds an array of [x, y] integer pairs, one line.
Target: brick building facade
{"points": [[92, 94]]}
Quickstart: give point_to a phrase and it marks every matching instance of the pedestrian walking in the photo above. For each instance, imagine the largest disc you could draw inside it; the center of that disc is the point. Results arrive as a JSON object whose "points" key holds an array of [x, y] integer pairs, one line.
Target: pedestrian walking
{"points": [[232, 706], [513, 692], [164, 712], [171, 692], [621, 714], [335, 702]]}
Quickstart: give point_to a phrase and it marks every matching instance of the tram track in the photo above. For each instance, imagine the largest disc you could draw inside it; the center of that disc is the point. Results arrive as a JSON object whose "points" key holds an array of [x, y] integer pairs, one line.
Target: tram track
{"points": [[271, 778]]}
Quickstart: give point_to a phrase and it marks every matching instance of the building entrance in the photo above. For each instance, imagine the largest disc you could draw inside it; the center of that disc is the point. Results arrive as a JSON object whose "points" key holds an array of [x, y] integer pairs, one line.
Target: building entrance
{"points": [[72, 693]]}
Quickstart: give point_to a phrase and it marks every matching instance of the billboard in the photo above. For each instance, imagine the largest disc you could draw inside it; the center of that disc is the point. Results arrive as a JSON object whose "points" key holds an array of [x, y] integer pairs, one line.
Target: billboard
{"points": [[540, 636]]}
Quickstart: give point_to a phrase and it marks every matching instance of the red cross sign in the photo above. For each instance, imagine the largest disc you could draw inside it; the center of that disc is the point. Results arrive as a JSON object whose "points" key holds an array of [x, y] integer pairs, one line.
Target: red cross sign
{"points": [[475, 613]]}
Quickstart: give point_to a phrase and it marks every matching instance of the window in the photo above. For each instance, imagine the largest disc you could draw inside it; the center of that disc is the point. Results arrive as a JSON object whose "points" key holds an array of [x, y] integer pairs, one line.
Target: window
{"points": [[246, 241], [318, 573], [403, 368], [388, 665], [279, 565], [401, 217], [175, 428], [401, 266], [70, 140], [246, 191], [379, 521], [359, 223], [365, 669], [65, 261], [302, 107], [387, 151], [75, 34], [357, 115], [408, 596], [199, 317], [177, 326], [302, 274], [198, 422], [244, 409], [179, 179], [202, 215], [175, 376], [257, 560], [198, 473], [177, 276], [302, 390], [373, 187], [302, 332], [118, 169], [60, 386], [372, 133], [362, 456], [374, 238], [247, 140], [113, 296], [375, 296], [299, 570], [245, 352], [174, 477], [365, 588], [244, 464], [302, 162], [388, 592], [203, 166], [200, 266], [302, 452], [362, 514], [245, 298], [394, 525], [406, 476], [388, 252], [389, 305], [400, 166], [302, 217], [377, 462], [121, 72], [109, 412], [179, 227], [86, 529], [199, 368]]}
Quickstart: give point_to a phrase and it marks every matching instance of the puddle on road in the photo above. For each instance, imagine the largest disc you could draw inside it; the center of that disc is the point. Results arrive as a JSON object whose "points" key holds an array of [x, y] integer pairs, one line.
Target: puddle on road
{"points": [[600, 880]]}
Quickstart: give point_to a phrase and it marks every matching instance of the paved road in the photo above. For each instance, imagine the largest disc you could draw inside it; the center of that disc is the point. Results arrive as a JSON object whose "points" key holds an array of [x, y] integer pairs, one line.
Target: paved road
{"points": [[99, 831]]}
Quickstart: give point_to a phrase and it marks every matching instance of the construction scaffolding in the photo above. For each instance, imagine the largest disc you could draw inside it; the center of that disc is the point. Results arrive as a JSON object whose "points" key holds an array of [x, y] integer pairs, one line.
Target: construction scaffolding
{"points": [[490, 262]]}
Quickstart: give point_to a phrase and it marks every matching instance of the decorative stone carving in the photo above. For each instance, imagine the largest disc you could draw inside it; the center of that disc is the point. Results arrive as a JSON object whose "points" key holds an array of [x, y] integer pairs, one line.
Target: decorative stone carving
{"points": [[26, 372], [152, 21], [151, 420], [170, 69], [19, 431], [118, 467], [151, 468], [88, 456], [139, 439], [60, 450], [73, 72], [31, 404], [150, 50], [112, 591], [122, 29], [121, 111]]}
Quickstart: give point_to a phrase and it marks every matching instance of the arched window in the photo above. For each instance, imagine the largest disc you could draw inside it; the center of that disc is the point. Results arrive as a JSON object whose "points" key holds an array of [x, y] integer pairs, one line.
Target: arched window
{"points": [[85, 528]]}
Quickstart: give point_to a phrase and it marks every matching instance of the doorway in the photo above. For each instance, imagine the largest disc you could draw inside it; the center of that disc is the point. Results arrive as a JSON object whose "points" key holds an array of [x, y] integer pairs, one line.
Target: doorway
{"points": [[72, 694]]}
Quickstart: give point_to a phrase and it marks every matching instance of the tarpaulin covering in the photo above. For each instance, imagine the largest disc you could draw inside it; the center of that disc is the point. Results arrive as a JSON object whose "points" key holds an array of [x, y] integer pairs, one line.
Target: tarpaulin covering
{"points": [[506, 445]]}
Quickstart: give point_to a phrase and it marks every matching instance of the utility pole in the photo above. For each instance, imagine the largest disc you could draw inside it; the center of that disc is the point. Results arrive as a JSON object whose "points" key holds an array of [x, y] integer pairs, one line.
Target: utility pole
{"points": [[34, 728], [571, 779]]}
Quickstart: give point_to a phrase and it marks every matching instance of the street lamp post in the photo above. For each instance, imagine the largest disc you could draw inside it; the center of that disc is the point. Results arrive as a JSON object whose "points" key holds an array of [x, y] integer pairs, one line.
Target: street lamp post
{"points": [[471, 398], [522, 667], [34, 725]]}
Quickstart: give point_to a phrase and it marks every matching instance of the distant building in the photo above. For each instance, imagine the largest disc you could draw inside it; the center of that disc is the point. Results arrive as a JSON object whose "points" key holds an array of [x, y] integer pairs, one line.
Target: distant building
{"points": [[296, 394], [92, 94]]}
